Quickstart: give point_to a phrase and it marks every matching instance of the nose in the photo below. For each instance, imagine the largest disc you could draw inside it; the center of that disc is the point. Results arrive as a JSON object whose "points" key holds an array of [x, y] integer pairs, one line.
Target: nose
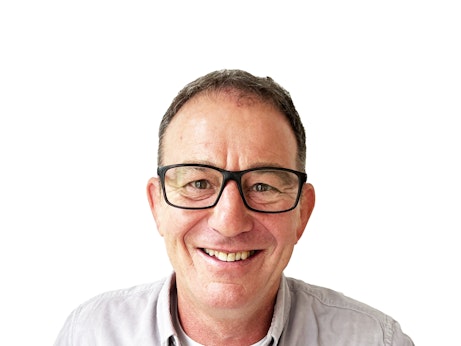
{"points": [[230, 217]]}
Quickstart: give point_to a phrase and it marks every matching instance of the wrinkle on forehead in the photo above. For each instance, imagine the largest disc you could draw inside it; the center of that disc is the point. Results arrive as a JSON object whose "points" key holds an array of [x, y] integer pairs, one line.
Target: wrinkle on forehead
{"points": [[231, 130]]}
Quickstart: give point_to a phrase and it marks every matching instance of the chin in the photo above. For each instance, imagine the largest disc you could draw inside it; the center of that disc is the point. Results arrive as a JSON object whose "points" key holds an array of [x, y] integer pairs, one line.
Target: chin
{"points": [[227, 296]]}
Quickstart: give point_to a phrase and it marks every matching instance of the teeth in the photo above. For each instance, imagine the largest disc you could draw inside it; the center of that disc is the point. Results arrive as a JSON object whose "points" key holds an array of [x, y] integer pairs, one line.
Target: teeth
{"points": [[229, 257]]}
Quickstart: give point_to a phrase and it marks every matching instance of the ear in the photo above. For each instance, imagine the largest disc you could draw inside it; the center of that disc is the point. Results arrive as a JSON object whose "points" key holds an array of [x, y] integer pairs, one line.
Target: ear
{"points": [[154, 190], [307, 202]]}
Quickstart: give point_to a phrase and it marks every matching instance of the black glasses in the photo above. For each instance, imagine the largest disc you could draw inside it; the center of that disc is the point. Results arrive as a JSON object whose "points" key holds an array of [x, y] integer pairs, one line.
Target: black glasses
{"points": [[263, 189]]}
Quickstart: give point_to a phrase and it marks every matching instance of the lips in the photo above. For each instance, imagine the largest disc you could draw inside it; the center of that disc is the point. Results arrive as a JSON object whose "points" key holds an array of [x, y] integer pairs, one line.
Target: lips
{"points": [[229, 256]]}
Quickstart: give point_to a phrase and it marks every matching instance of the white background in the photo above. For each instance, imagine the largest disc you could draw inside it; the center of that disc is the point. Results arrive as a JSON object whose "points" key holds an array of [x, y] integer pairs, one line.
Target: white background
{"points": [[84, 83]]}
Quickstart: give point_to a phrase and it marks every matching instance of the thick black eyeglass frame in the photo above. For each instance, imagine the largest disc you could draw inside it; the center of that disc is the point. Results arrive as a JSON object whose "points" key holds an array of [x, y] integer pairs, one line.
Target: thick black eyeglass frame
{"points": [[235, 176]]}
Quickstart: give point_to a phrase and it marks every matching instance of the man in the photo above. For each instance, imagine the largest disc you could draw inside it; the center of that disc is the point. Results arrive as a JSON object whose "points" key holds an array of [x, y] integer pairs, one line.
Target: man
{"points": [[231, 201]]}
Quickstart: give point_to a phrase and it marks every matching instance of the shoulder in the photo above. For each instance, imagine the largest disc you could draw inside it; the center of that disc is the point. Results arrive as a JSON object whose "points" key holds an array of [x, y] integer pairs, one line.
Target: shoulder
{"points": [[329, 299], [97, 321], [124, 306], [332, 314], [128, 298]]}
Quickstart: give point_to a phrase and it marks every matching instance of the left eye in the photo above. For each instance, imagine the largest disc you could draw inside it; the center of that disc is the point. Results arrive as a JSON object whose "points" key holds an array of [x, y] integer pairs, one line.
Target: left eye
{"points": [[260, 187]]}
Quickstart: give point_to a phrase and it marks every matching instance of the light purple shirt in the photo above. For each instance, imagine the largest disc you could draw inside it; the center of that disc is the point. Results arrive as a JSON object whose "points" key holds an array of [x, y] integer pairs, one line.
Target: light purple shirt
{"points": [[304, 315]]}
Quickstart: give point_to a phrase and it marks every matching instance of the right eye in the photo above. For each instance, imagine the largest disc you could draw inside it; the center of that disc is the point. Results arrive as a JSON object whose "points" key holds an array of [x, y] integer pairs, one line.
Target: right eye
{"points": [[200, 184]]}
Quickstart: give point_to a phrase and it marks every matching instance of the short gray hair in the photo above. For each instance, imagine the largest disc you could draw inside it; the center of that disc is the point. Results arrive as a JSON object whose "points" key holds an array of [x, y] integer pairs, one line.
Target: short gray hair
{"points": [[264, 88]]}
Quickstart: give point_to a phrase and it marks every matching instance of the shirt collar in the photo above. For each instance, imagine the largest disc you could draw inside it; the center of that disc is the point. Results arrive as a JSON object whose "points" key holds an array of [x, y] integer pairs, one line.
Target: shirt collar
{"points": [[164, 316], [281, 311]]}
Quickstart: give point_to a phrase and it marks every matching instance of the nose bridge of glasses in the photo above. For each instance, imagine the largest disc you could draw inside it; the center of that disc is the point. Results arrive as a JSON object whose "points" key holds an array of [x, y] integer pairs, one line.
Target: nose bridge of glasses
{"points": [[229, 176]]}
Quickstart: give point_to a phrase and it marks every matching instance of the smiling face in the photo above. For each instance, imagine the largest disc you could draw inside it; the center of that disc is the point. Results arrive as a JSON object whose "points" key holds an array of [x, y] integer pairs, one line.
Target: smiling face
{"points": [[229, 258]]}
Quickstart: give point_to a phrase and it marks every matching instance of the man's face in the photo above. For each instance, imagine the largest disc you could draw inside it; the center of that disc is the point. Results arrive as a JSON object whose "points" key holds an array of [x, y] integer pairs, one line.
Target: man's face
{"points": [[221, 131]]}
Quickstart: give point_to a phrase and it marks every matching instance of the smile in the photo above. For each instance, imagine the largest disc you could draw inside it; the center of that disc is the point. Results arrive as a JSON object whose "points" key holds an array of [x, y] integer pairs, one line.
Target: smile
{"points": [[230, 256]]}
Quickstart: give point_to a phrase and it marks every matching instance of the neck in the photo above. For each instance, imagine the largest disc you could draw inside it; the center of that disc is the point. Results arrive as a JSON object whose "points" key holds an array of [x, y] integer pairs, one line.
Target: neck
{"points": [[214, 326]]}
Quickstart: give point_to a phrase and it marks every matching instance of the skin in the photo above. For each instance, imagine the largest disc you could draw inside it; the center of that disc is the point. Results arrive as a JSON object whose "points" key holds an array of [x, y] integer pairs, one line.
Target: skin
{"points": [[222, 302]]}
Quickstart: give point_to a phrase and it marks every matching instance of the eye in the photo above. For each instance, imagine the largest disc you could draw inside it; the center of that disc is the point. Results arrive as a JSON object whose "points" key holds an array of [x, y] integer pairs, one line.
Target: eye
{"points": [[200, 184], [260, 187]]}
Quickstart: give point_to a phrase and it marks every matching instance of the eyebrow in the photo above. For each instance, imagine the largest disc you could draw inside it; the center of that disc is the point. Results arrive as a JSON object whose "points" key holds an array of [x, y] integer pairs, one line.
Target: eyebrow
{"points": [[266, 164], [253, 165]]}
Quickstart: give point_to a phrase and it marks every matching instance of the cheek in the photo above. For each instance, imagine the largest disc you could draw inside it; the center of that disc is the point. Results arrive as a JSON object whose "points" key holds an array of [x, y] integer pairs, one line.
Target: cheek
{"points": [[284, 230], [176, 224], [283, 237]]}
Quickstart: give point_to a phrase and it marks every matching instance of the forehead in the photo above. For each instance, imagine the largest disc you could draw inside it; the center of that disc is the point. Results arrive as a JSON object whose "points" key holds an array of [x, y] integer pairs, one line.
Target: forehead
{"points": [[229, 129]]}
